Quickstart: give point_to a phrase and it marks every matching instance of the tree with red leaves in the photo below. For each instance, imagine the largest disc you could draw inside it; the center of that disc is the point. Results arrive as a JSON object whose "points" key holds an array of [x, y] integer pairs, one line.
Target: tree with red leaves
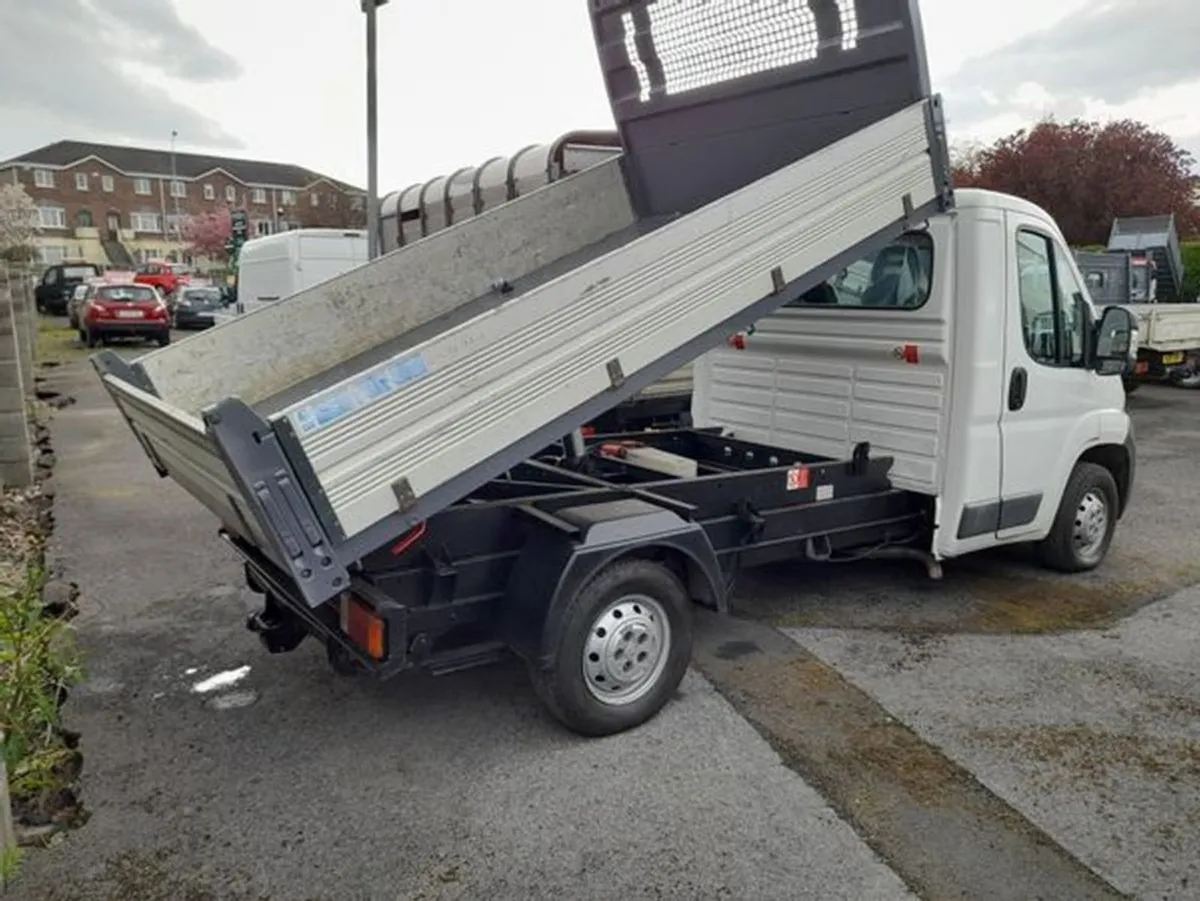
{"points": [[1085, 174], [207, 233]]}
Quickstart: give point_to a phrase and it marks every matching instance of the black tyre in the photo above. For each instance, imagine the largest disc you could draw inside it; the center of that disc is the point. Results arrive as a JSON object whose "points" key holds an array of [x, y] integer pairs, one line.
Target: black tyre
{"points": [[626, 644], [1086, 519], [92, 339], [1131, 385], [164, 339]]}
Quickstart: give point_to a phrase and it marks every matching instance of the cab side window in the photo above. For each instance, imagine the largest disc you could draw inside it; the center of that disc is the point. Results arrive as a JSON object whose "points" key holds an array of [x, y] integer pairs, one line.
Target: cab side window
{"points": [[1053, 319], [1072, 317]]}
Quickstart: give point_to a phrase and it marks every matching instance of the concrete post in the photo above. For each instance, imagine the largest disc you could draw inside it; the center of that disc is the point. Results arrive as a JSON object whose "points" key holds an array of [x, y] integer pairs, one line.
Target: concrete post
{"points": [[26, 329], [16, 451]]}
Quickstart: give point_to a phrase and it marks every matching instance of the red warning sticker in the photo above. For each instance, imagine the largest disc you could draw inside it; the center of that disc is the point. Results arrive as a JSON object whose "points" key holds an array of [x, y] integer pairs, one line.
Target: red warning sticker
{"points": [[797, 478]]}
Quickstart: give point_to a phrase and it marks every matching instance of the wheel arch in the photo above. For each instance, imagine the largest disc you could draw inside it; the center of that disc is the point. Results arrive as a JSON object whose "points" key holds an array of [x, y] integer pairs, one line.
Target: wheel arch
{"points": [[550, 571], [1118, 460]]}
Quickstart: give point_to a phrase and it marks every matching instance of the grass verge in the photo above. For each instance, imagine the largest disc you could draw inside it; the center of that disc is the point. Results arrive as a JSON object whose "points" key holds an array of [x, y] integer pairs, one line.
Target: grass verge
{"points": [[58, 344]]}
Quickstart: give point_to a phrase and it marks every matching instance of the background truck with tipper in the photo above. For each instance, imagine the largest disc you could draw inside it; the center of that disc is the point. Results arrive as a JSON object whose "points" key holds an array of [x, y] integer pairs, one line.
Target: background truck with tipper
{"points": [[400, 464], [425, 208], [1143, 267]]}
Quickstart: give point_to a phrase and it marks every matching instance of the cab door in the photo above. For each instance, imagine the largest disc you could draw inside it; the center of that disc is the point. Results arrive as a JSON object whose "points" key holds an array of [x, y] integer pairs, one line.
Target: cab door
{"points": [[1049, 393]]}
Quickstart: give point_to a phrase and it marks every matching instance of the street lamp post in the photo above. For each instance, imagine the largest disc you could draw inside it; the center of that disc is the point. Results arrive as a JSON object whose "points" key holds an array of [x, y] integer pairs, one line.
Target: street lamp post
{"points": [[174, 196], [369, 7]]}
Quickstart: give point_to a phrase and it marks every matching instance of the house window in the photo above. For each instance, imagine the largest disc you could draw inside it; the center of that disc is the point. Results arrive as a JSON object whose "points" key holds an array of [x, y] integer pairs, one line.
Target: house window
{"points": [[314, 198], [43, 178], [141, 186], [81, 181], [259, 195], [175, 223], [262, 226], [106, 184], [50, 255], [178, 189], [230, 194], [288, 197], [83, 219], [52, 217], [210, 193], [145, 222]]}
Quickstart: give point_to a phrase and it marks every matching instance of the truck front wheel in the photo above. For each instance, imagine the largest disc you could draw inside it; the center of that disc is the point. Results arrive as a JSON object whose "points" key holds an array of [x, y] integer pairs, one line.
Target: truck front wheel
{"points": [[1086, 519], [626, 644]]}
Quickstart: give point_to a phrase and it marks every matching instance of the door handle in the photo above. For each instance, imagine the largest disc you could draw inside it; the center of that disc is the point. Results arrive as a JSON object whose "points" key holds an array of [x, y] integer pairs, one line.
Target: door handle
{"points": [[1016, 388]]}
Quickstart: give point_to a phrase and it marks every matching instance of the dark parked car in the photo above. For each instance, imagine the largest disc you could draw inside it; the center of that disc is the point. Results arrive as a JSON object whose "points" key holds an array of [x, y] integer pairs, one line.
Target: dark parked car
{"points": [[193, 307], [58, 283]]}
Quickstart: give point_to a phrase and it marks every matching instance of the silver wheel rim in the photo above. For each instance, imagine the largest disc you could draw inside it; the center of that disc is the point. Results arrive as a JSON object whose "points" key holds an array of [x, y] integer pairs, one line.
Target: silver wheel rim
{"points": [[626, 650], [1091, 525]]}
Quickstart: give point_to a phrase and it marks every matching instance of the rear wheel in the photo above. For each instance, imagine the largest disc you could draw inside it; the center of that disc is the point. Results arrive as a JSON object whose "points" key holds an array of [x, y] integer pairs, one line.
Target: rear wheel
{"points": [[626, 644], [1086, 519], [164, 339], [92, 339]]}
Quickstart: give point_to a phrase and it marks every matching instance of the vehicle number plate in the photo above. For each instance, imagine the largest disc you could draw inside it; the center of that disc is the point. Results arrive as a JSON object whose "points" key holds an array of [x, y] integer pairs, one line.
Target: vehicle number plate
{"points": [[129, 314], [1171, 359]]}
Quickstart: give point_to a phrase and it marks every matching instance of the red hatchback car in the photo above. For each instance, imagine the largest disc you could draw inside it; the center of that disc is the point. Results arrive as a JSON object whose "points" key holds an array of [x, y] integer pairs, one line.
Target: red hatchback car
{"points": [[123, 311]]}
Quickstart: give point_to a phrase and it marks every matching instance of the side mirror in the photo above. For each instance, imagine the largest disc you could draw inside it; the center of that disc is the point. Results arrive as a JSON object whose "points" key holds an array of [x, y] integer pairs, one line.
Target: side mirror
{"points": [[1115, 344]]}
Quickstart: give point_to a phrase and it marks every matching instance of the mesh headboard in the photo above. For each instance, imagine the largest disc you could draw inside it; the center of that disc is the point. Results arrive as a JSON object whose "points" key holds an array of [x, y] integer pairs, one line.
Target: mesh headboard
{"points": [[710, 95]]}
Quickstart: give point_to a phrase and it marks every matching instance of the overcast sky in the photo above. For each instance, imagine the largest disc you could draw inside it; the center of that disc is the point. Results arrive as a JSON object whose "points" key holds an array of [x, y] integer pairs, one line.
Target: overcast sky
{"points": [[463, 80]]}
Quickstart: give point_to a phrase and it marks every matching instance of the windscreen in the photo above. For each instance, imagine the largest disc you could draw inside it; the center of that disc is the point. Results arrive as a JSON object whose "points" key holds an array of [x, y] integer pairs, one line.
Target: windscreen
{"points": [[126, 294], [711, 95], [202, 296], [80, 272]]}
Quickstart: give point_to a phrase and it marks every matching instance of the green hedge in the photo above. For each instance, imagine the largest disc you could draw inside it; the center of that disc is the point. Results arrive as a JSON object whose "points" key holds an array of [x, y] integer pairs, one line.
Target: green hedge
{"points": [[1191, 265]]}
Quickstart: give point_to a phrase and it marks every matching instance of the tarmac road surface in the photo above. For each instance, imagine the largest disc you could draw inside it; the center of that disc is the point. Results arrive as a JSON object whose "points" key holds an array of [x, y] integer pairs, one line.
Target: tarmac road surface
{"points": [[861, 734]]}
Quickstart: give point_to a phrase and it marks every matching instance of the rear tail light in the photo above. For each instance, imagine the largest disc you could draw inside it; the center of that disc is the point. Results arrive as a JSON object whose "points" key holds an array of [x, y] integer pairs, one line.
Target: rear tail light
{"points": [[364, 627]]}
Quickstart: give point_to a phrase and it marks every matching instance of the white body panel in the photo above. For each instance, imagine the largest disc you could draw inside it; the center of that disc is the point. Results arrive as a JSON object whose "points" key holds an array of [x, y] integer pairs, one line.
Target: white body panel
{"points": [[456, 400], [1167, 327], [822, 379]]}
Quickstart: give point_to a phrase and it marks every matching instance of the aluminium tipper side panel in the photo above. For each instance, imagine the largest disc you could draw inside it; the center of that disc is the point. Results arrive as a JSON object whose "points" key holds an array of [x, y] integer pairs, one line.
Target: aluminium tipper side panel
{"points": [[710, 96], [420, 431], [263, 353]]}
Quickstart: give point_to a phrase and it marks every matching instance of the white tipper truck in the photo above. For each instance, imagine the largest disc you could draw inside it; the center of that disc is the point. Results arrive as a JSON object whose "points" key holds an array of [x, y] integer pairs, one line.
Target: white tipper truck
{"points": [[397, 455], [1143, 267]]}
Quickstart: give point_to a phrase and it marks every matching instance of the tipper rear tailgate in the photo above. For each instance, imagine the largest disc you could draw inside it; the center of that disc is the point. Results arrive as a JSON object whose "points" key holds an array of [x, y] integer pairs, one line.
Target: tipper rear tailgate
{"points": [[180, 447]]}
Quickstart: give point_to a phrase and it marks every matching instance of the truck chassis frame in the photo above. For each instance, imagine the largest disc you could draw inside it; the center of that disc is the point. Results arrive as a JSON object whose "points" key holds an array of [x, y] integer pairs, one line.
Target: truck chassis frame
{"points": [[494, 573]]}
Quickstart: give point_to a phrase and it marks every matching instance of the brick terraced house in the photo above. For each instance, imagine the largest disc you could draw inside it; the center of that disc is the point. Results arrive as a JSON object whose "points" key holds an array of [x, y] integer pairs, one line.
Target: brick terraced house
{"points": [[119, 206]]}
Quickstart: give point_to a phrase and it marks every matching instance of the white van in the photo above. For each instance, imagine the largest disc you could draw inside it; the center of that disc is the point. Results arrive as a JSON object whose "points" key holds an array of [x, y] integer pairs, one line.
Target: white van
{"points": [[276, 266]]}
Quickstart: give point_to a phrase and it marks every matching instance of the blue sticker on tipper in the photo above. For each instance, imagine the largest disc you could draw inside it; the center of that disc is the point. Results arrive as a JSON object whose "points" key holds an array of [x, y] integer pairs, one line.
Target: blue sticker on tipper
{"points": [[369, 387]]}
